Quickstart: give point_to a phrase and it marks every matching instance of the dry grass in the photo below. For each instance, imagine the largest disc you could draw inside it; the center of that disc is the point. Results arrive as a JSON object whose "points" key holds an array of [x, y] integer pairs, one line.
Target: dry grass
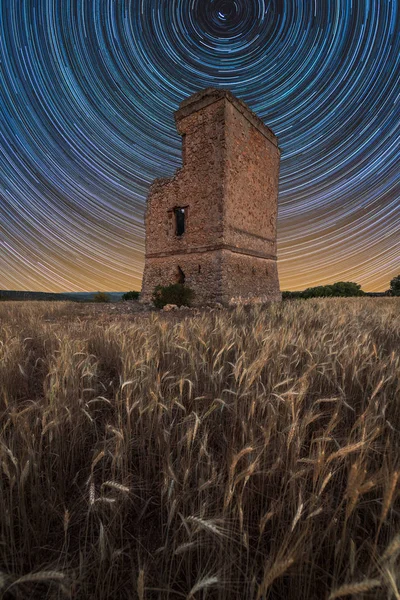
{"points": [[245, 454]]}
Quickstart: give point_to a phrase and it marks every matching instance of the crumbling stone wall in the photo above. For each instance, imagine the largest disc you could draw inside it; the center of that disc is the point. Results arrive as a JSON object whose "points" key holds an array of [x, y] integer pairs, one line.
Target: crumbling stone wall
{"points": [[228, 186]]}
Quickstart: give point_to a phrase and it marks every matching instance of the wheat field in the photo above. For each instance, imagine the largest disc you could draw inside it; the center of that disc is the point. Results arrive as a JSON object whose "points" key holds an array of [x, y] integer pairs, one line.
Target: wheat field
{"points": [[243, 454]]}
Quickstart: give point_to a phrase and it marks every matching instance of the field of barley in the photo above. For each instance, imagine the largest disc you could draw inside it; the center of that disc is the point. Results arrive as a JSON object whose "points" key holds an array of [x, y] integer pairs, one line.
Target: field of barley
{"points": [[233, 454]]}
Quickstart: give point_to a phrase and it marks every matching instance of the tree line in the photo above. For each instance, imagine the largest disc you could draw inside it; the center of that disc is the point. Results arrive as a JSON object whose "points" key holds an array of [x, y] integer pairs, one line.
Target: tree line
{"points": [[340, 289]]}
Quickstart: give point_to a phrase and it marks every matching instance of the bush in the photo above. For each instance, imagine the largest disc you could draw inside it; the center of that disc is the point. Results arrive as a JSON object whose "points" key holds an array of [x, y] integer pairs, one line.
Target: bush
{"points": [[131, 296], [177, 293], [344, 289], [292, 295], [320, 291], [101, 297], [395, 286]]}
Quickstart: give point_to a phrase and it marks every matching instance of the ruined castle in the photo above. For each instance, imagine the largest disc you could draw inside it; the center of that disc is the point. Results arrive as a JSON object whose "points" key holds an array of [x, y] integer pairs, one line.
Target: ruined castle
{"points": [[213, 225]]}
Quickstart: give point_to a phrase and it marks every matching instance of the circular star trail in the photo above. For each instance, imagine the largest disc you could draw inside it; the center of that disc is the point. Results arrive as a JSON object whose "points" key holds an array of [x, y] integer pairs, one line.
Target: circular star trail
{"points": [[88, 90]]}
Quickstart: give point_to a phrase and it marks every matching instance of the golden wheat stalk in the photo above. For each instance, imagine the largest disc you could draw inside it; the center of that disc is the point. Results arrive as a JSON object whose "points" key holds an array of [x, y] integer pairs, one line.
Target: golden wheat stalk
{"points": [[203, 584], [392, 550], [271, 574], [140, 584], [37, 577], [116, 486], [352, 589]]}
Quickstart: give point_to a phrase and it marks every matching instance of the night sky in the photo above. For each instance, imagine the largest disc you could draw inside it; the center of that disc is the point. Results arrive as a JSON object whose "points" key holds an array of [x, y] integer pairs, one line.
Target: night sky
{"points": [[88, 90]]}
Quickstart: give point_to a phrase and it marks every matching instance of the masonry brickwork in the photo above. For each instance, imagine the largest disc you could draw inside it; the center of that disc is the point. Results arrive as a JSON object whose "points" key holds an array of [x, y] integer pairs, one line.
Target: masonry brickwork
{"points": [[228, 190]]}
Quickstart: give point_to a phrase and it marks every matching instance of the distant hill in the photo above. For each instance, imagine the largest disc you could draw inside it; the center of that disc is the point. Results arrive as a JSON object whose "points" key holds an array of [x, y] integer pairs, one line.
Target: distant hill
{"points": [[74, 296]]}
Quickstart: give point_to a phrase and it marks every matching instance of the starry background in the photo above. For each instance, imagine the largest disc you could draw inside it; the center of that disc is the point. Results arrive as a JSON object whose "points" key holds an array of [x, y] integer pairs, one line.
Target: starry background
{"points": [[87, 94]]}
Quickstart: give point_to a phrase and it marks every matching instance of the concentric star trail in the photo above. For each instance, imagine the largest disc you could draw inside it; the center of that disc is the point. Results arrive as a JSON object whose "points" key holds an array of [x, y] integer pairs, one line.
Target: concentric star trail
{"points": [[88, 90]]}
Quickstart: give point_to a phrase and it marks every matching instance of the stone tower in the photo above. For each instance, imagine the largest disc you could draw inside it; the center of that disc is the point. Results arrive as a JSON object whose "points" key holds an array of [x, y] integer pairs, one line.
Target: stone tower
{"points": [[213, 225]]}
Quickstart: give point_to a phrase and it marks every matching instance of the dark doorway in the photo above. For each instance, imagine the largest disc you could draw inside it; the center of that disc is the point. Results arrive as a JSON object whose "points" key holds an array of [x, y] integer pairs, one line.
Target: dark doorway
{"points": [[180, 276], [180, 221]]}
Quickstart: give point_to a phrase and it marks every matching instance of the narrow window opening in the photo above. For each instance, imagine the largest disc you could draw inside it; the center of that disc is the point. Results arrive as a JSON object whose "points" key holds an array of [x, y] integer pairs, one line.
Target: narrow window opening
{"points": [[199, 269], [180, 221]]}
